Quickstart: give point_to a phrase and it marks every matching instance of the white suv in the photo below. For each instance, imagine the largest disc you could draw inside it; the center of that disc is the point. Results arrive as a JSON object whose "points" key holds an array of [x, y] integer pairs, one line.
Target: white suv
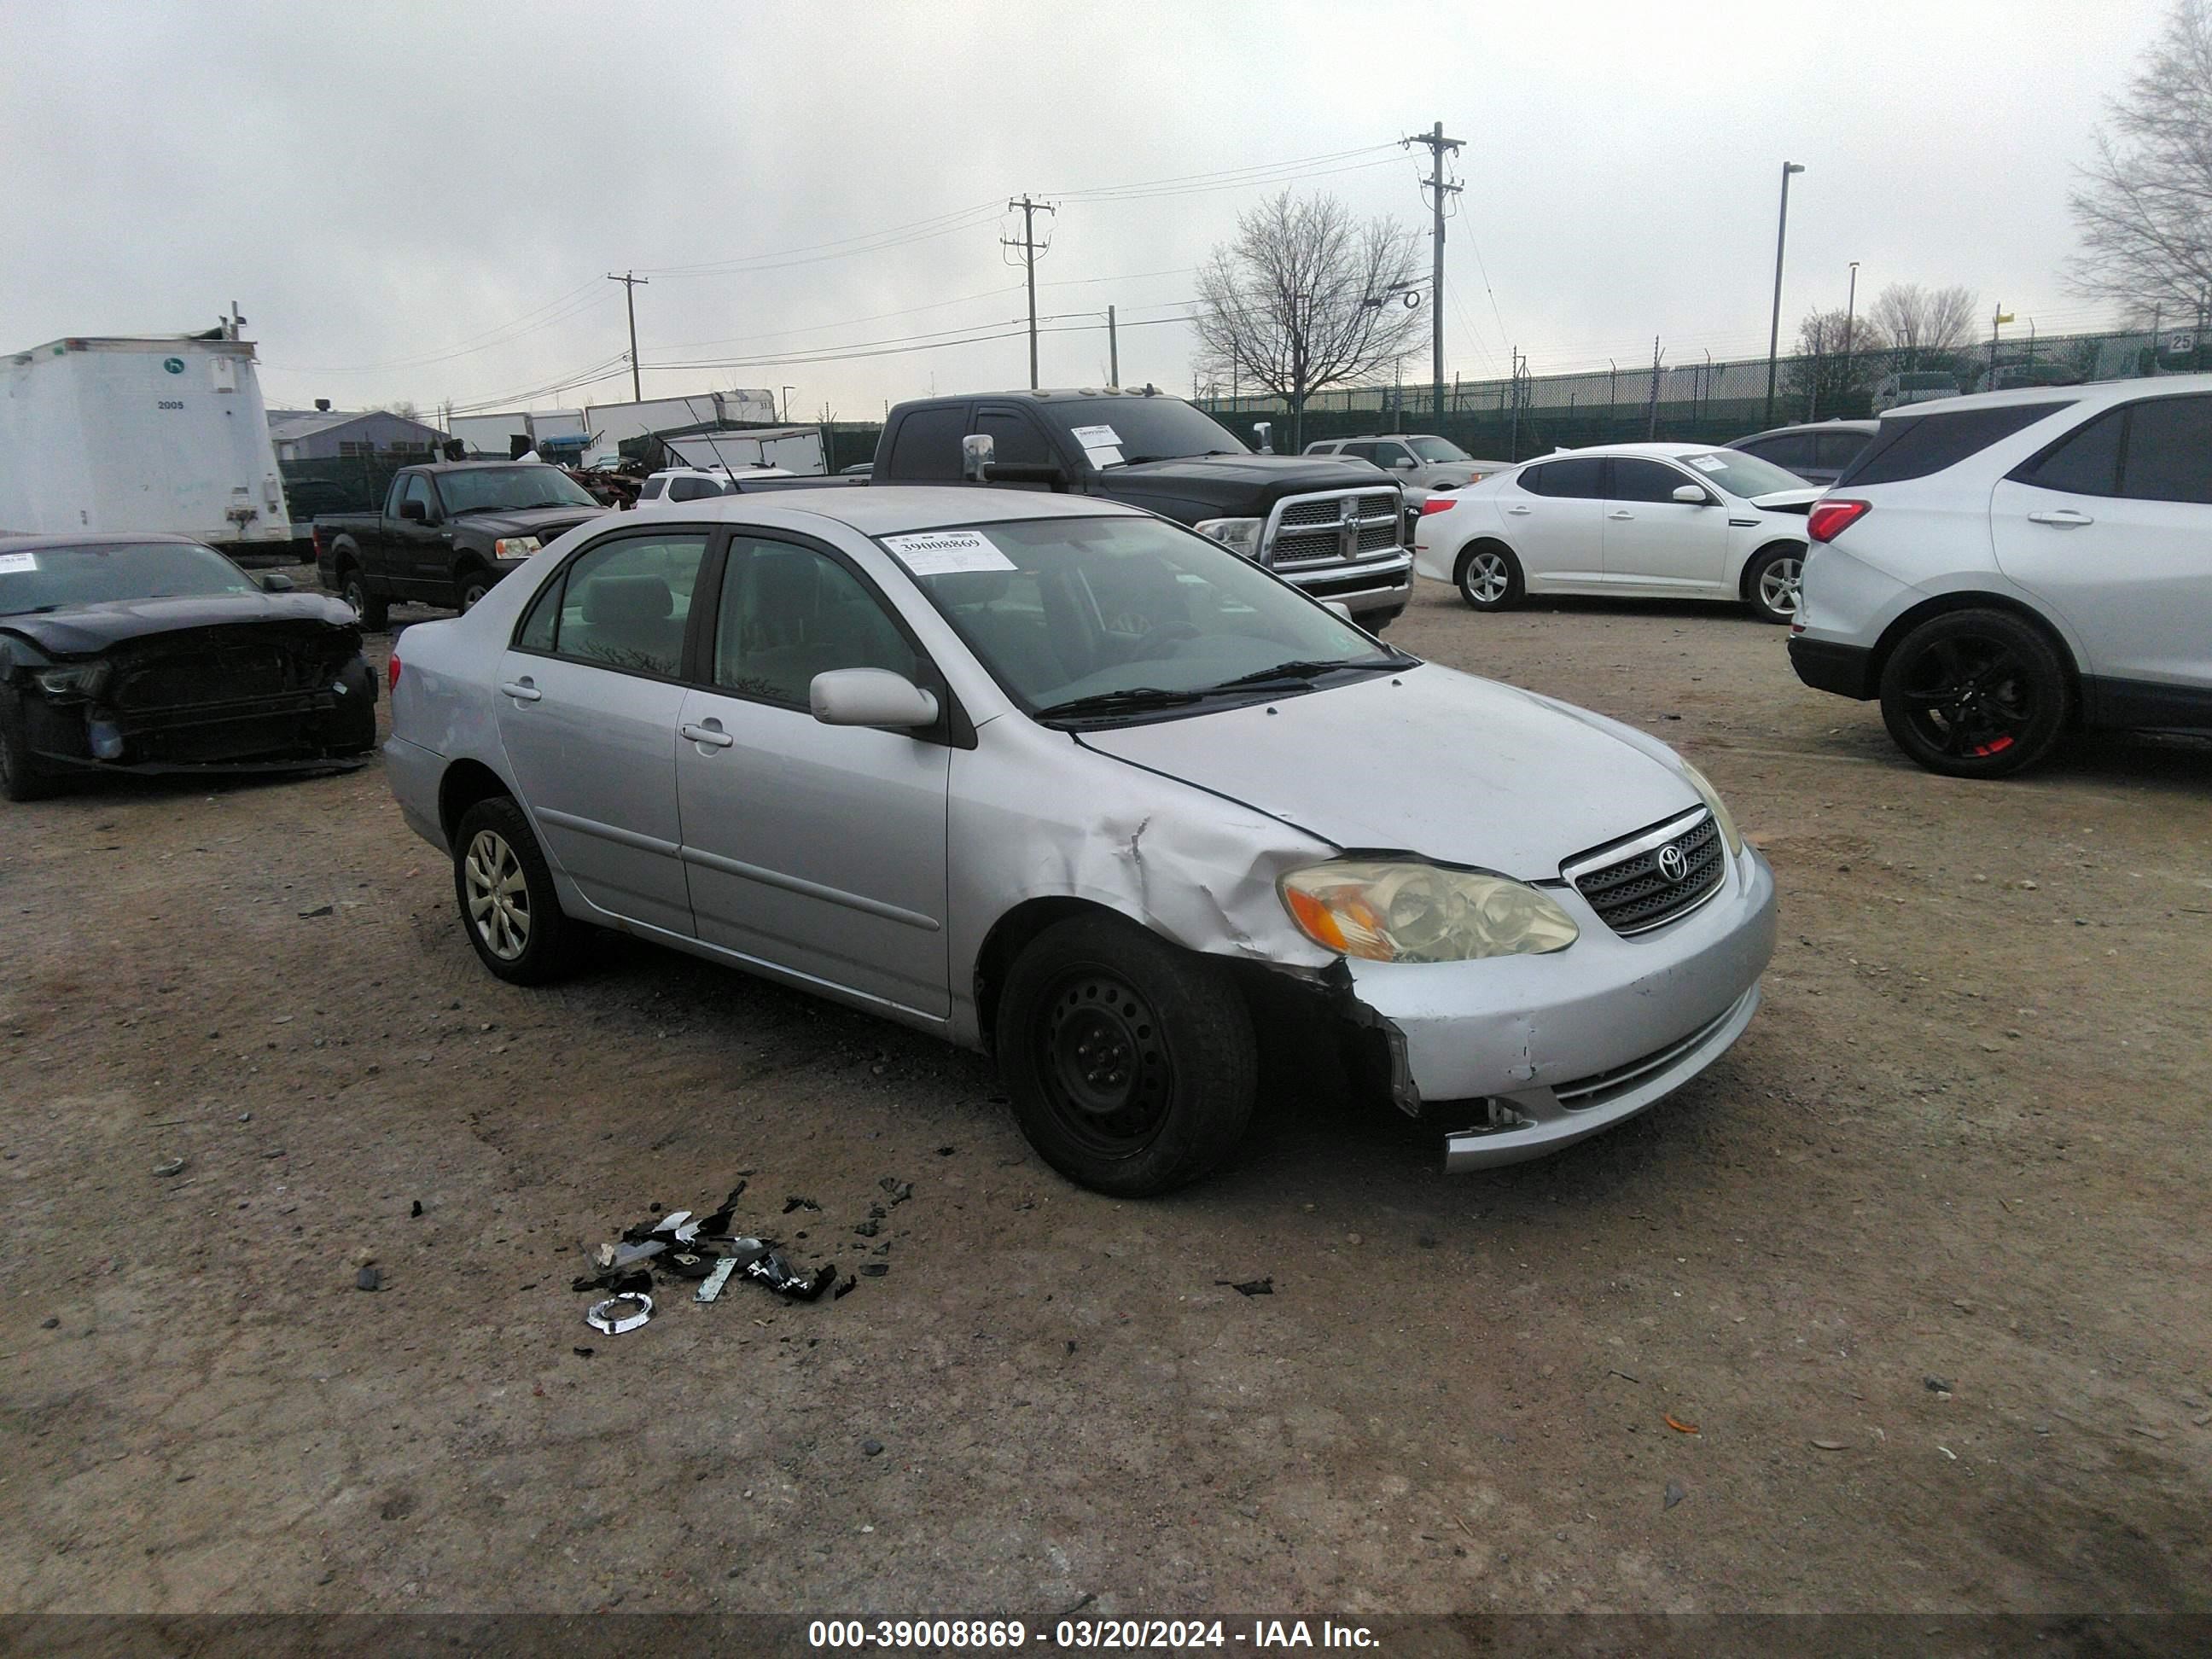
{"points": [[1998, 569]]}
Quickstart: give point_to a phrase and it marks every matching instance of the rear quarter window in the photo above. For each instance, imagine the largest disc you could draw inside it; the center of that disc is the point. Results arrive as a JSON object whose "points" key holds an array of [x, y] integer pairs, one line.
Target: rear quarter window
{"points": [[1917, 446]]}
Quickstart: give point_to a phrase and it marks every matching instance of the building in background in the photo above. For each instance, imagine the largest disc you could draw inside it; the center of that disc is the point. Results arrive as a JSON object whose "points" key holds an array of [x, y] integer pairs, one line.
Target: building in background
{"points": [[324, 434]]}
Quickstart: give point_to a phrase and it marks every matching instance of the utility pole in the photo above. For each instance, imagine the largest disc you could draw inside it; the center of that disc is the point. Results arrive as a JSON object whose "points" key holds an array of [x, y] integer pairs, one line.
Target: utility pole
{"points": [[787, 390], [1113, 351], [630, 283], [1436, 144], [1774, 328], [1850, 306], [1030, 248], [1651, 421]]}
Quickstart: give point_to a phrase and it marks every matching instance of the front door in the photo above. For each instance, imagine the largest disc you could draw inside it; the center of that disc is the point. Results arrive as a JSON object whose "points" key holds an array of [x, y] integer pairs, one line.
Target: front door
{"points": [[590, 696], [1653, 541], [421, 550], [2113, 527], [819, 850]]}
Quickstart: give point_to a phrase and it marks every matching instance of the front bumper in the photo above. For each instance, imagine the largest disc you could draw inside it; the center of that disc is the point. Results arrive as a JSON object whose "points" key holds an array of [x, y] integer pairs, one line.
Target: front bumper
{"points": [[297, 731], [1550, 1050], [1372, 589]]}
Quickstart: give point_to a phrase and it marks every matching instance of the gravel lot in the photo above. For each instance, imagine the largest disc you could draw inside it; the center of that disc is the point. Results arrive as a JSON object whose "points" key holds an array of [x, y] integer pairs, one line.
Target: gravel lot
{"points": [[1924, 1260]]}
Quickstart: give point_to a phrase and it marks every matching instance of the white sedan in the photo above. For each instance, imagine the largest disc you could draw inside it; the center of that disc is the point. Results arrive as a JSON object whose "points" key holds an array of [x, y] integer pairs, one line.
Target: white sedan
{"points": [[1656, 520]]}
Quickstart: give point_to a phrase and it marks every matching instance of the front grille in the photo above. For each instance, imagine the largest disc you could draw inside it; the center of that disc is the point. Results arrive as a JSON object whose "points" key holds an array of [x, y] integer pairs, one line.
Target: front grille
{"points": [[1311, 529], [232, 673], [1631, 891]]}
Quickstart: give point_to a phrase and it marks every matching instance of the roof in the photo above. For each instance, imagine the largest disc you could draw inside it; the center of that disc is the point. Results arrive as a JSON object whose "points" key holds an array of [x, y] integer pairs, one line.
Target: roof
{"points": [[1047, 393], [1672, 451], [289, 426], [95, 539], [1838, 424], [2098, 393], [898, 508]]}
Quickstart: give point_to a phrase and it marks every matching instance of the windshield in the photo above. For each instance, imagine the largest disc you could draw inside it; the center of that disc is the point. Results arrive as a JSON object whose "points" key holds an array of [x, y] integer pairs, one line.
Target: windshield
{"points": [[1438, 449], [1113, 430], [48, 578], [1739, 474], [509, 487], [1067, 609]]}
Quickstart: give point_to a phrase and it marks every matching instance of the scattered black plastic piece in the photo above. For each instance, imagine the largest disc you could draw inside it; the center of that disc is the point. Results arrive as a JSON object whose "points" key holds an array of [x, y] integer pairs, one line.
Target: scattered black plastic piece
{"points": [[875, 1269], [869, 1228], [791, 1204], [900, 1190], [584, 1353], [1251, 1286], [718, 1224], [369, 1279], [690, 1264], [415, 1208], [778, 1274], [844, 1286], [946, 1152], [319, 910]]}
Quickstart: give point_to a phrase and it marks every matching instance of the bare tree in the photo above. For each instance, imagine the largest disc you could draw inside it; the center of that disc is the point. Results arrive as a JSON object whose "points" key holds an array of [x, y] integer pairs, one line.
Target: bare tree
{"points": [[2145, 212], [1304, 299], [1823, 375], [1924, 322]]}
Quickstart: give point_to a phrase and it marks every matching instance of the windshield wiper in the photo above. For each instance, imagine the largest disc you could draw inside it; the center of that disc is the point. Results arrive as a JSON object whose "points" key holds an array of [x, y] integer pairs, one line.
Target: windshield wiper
{"points": [[1133, 700], [1304, 670]]}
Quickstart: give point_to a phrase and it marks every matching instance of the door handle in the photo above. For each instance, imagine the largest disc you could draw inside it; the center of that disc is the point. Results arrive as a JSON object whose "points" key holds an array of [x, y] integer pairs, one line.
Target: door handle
{"points": [[1519, 512], [2064, 516], [1619, 514], [521, 690], [711, 734]]}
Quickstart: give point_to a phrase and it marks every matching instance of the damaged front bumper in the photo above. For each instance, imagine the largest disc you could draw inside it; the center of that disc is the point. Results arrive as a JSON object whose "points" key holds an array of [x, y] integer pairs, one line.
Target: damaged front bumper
{"points": [[1543, 1051], [294, 732]]}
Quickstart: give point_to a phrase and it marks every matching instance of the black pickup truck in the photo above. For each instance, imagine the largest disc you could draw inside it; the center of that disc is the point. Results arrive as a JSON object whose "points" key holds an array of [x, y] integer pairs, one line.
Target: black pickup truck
{"points": [[447, 533], [1335, 528]]}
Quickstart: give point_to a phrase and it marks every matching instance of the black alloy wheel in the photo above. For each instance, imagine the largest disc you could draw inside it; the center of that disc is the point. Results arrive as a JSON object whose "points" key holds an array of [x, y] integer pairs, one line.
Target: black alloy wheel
{"points": [[1975, 694]]}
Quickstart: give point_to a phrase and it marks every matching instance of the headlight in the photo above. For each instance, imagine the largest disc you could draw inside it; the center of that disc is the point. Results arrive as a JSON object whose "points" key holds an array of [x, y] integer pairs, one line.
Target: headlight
{"points": [[1238, 535], [1402, 912], [77, 680], [515, 547], [1714, 805]]}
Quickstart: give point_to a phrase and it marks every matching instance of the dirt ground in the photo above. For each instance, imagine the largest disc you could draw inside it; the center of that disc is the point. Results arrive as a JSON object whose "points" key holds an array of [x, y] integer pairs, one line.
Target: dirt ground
{"points": [[1924, 1260]]}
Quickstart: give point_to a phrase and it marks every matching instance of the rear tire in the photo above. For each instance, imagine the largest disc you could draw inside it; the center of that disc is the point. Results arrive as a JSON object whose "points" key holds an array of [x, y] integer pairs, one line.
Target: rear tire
{"points": [[1772, 584], [1976, 693], [509, 910], [1489, 577], [22, 777], [1132, 1064], [374, 611]]}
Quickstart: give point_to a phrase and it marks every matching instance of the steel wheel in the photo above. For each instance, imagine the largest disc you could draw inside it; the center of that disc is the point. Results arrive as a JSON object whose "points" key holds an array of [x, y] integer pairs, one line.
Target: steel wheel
{"points": [[1108, 1078], [498, 896], [1970, 698], [1780, 584]]}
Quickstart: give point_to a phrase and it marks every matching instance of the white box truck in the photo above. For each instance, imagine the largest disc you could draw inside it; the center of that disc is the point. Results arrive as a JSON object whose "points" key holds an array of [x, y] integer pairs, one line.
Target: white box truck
{"points": [[796, 449], [611, 424], [165, 434]]}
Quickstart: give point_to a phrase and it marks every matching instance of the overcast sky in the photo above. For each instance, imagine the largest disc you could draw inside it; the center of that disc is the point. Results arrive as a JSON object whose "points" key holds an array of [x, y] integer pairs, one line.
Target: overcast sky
{"points": [[422, 203]]}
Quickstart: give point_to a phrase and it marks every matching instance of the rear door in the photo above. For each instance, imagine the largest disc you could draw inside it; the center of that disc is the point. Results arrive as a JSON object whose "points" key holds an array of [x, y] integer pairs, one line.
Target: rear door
{"points": [[1554, 521], [590, 695], [2112, 526], [1655, 542], [819, 850]]}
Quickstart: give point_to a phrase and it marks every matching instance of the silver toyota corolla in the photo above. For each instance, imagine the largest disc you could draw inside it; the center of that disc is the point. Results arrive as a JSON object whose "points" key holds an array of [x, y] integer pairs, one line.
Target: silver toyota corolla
{"points": [[1062, 780]]}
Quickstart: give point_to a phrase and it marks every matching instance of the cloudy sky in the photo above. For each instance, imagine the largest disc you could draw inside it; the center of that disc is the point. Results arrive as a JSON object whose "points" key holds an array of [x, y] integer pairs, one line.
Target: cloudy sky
{"points": [[422, 203]]}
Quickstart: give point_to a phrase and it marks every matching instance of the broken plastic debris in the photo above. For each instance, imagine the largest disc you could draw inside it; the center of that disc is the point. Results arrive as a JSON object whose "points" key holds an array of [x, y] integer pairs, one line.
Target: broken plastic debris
{"points": [[173, 1166], [711, 1286], [621, 1313], [672, 1222], [1251, 1286], [688, 1264], [791, 1204], [773, 1271], [900, 1190], [369, 1279], [613, 1258], [1679, 1426]]}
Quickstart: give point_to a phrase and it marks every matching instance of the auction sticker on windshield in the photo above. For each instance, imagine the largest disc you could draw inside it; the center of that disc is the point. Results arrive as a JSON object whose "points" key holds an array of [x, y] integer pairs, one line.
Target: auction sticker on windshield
{"points": [[946, 553], [15, 563], [1708, 463], [1101, 445]]}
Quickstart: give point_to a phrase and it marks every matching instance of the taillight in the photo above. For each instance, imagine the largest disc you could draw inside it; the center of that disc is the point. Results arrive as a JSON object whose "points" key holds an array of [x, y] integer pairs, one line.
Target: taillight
{"points": [[317, 538], [1829, 519], [392, 673], [1438, 504]]}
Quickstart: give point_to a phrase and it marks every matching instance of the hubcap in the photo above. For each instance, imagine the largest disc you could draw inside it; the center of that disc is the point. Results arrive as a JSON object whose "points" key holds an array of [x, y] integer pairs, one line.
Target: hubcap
{"points": [[1105, 1067], [1779, 585], [1970, 697], [1487, 578], [498, 894]]}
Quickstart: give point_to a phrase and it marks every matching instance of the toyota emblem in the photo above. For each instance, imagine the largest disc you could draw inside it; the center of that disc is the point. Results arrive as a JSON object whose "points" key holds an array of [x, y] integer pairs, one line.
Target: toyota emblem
{"points": [[1672, 864]]}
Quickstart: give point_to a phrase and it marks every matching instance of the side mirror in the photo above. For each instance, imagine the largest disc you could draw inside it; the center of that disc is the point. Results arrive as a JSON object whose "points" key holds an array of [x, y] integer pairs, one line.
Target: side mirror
{"points": [[870, 696], [414, 510], [276, 582], [1403, 464], [977, 451], [1692, 495], [1263, 434]]}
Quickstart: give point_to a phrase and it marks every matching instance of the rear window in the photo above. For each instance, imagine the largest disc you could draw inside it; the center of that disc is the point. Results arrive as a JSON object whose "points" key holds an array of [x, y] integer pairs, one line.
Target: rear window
{"points": [[1918, 446], [1579, 478]]}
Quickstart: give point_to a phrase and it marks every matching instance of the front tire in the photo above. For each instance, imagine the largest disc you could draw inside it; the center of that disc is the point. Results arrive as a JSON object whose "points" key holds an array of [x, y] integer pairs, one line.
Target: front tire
{"points": [[1132, 1064], [509, 907], [1774, 584], [352, 726], [22, 777], [469, 587], [1976, 693], [1489, 577]]}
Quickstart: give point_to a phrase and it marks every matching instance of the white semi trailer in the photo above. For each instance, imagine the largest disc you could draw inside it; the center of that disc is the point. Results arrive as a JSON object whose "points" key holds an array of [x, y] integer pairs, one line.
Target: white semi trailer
{"points": [[114, 433]]}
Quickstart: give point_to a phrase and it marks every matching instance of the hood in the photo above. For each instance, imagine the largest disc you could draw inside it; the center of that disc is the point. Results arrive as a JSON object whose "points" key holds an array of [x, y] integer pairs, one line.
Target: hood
{"points": [[81, 629], [1788, 500], [1429, 761], [1447, 475], [543, 522], [1235, 486]]}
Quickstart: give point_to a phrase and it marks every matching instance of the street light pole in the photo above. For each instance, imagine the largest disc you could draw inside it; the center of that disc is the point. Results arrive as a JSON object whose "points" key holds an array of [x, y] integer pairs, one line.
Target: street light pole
{"points": [[1774, 328], [1850, 308]]}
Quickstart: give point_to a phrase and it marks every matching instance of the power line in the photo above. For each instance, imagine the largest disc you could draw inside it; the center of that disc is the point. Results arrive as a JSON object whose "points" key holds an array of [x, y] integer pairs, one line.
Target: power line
{"points": [[1224, 178]]}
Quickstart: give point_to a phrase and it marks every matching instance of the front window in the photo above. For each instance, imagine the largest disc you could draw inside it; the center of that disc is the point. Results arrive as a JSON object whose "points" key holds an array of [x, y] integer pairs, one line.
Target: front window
{"points": [[1739, 474], [1113, 431], [1438, 449], [1117, 617], [51, 578], [505, 488]]}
